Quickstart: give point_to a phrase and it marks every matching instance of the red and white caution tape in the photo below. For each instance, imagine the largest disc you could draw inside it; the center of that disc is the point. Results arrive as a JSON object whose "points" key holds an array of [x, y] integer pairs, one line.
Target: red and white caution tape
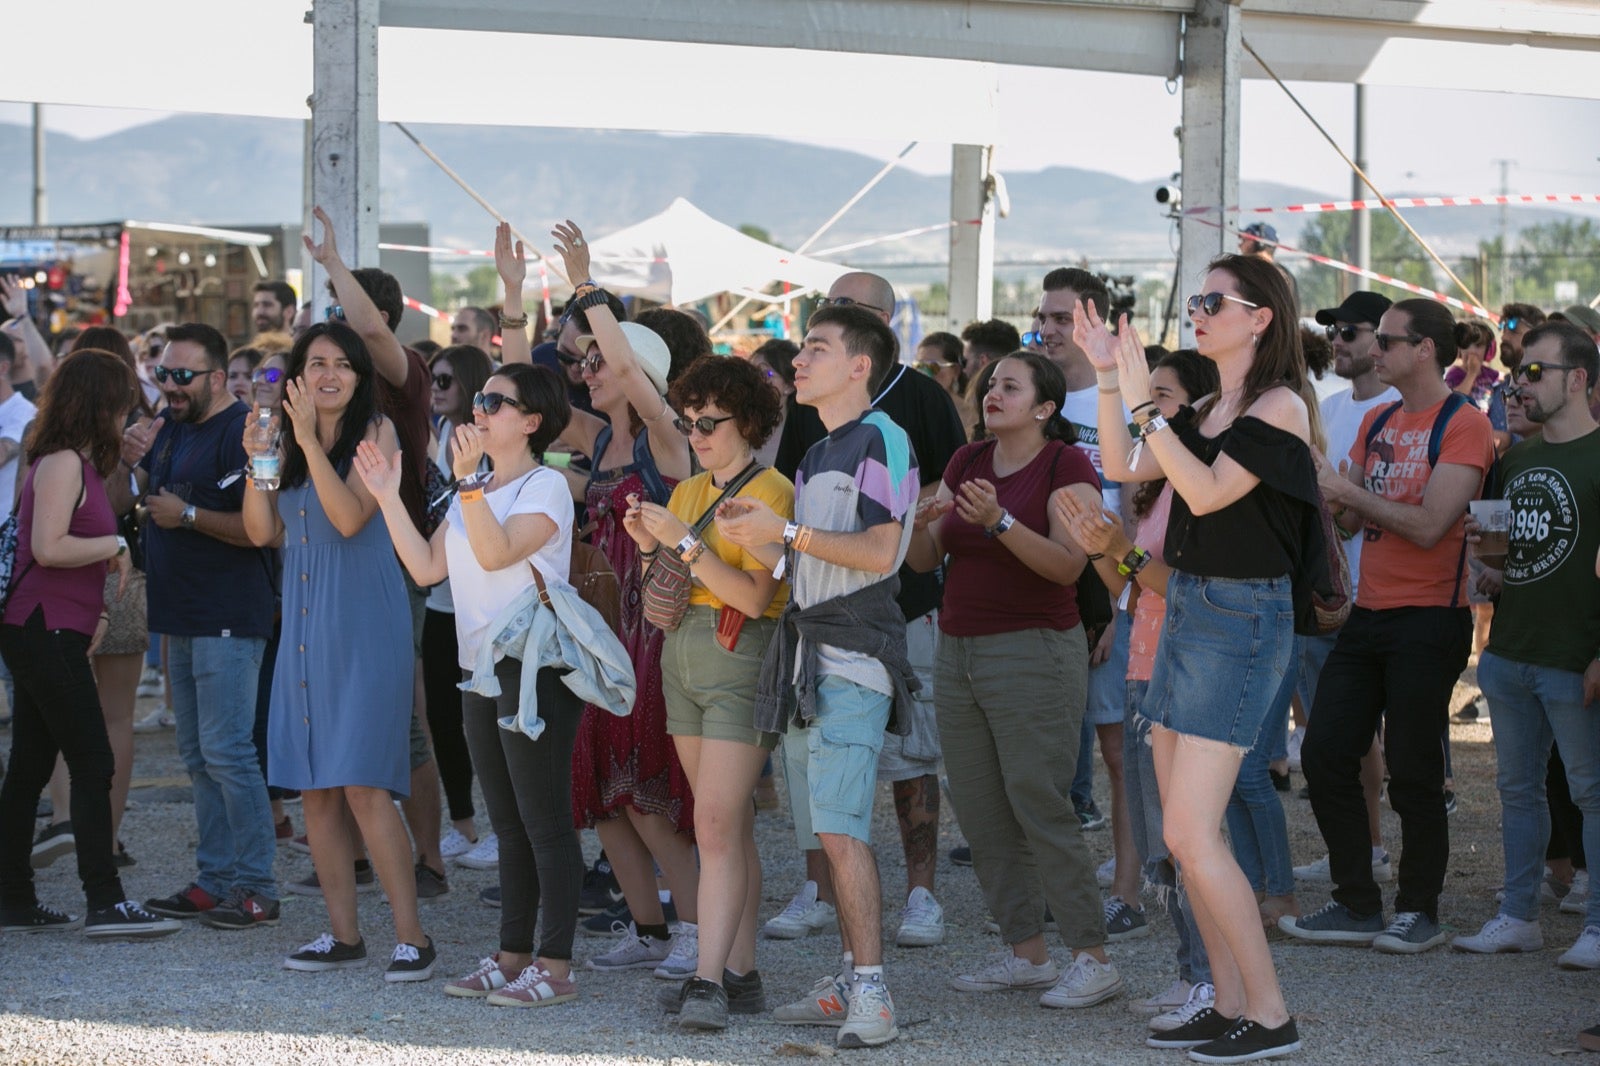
{"points": [[434, 312], [1487, 200], [435, 251]]}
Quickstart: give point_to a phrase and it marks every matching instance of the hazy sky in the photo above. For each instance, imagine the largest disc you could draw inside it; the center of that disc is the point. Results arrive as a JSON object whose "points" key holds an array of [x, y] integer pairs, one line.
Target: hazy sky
{"points": [[1435, 141]]}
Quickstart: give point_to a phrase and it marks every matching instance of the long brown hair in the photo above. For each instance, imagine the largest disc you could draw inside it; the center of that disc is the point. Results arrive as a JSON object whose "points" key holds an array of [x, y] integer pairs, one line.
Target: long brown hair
{"points": [[1279, 359], [83, 407], [113, 340]]}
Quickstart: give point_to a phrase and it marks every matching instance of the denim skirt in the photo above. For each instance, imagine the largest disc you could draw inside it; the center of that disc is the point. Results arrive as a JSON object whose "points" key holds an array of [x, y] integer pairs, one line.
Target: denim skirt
{"points": [[1225, 649]]}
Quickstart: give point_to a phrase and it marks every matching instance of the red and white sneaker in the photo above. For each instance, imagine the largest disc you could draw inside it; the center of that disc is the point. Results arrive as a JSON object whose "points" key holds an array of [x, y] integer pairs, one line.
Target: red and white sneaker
{"points": [[535, 987], [487, 978], [828, 1003]]}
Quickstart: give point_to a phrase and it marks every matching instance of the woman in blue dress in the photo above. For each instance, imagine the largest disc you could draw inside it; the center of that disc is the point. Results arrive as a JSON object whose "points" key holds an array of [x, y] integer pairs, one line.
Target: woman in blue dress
{"points": [[341, 691]]}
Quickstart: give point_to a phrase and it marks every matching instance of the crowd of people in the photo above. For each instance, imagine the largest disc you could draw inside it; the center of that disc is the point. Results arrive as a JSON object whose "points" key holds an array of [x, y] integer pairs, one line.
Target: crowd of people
{"points": [[983, 560]]}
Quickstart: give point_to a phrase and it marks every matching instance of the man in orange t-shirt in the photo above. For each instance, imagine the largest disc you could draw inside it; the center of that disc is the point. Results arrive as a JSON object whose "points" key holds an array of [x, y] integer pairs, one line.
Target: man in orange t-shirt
{"points": [[1412, 469]]}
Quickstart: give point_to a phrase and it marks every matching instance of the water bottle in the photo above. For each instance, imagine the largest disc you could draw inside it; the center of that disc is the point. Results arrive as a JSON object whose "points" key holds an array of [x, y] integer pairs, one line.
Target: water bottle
{"points": [[265, 462]]}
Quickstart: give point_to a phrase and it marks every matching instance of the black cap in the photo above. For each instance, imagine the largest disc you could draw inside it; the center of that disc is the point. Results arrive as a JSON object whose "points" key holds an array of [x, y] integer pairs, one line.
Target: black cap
{"points": [[1359, 306]]}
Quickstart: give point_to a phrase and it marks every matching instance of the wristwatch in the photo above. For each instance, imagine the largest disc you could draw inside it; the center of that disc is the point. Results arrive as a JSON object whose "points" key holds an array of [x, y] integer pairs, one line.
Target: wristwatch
{"points": [[1135, 561], [1007, 520], [186, 519], [122, 545]]}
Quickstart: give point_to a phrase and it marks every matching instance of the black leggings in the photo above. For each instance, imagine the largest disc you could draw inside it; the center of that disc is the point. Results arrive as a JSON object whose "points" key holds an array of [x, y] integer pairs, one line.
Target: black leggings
{"points": [[57, 711], [527, 786], [440, 672]]}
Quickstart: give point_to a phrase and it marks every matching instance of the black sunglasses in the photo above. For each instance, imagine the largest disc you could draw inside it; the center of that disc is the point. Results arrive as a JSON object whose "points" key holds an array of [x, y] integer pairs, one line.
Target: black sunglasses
{"points": [[180, 375], [270, 374], [705, 424], [443, 381], [1386, 339], [594, 360], [1345, 331], [1211, 302], [490, 402], [1535, 371], [845, 301]]}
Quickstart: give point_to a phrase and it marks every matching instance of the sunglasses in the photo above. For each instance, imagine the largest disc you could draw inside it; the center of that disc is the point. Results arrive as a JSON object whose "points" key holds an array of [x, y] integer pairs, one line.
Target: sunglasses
{"points": [[490, 402], [1345, 332], [1512, 393], [1033, 338], [568, 360], [1211, 302], [845, 301], [1535, 371], [180, 375], [271, 375], [930, 366], [705, 424], [1385, 340], [335, 313], [593, 361], [1510, 325], [443, 381]]}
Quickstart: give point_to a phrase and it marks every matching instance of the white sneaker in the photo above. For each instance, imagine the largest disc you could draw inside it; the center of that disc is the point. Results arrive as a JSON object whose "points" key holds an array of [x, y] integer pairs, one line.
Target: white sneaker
{"points": [[1172, 997], [1319, 872], [151, 683], [1006, 971], [485, 856], [1502, 933], [634, 953], [1585, 954], [154, 722], [1201, 997], [1577, 901], [922, 922], [1086, 982], [1297, 740], [871, 1018], [1106, 872], [684, 958], [454, 843], [804, 915]]}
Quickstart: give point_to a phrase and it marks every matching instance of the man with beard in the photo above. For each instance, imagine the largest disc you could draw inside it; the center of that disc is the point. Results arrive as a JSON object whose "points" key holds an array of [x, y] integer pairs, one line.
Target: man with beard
{"points": [[210, 592], [272, 307]]}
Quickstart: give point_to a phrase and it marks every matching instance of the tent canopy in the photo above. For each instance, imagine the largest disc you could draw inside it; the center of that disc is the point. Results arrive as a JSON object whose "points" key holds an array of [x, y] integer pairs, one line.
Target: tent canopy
{"points": [[683, 255]]}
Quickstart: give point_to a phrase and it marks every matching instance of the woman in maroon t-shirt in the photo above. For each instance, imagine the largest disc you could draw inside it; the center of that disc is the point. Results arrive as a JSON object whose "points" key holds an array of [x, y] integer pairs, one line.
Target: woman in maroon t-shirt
{"points": [[1011, 680]]}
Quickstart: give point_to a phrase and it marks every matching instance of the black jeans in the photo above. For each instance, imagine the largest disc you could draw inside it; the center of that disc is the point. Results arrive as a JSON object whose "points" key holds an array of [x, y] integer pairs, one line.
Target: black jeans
{"points": [[57, 711], [527, 786], [1400, 664], [441, 670], [258, 735]]}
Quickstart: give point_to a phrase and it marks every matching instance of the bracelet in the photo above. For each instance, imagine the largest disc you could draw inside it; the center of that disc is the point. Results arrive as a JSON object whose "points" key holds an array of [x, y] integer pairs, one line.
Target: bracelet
{"points": [[802, 539], [520, 322], [652, 553], [1148, 403], [468, 495], [1097, 555]]}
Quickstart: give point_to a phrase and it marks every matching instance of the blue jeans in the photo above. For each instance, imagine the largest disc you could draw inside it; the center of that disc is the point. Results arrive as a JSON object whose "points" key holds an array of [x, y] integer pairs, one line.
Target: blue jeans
{"points": [[1144, 817], [1256, 824], [1107, 693], [1533, 705], [214, 703]]}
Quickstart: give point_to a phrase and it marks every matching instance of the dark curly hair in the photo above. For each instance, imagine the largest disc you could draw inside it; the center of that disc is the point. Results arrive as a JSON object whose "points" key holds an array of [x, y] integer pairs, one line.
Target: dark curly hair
{"points": [[540, 393], [685, 337], [82, 408], [736, 386]]}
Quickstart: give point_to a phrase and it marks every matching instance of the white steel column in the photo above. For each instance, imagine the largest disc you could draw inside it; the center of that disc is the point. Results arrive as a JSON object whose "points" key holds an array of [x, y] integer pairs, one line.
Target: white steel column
{"points": [[1210, 142], [344, 133], [971, 246]]}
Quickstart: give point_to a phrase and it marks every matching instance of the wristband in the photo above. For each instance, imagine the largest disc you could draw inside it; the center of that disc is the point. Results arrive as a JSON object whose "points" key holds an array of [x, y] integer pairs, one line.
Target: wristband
{"points": [[1148, 403], [1097, 555], [790, 532], [520, 322], [122, 546], [686, 543], [595, 298], [690, 549], [469, 495], [1151, 426], [1007, 520], [652, 553], [802, 539], [1107, 380]]}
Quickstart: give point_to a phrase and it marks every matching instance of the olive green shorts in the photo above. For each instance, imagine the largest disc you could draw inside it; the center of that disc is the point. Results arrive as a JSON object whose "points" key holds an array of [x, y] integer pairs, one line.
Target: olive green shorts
{"points": [[710, 691]]}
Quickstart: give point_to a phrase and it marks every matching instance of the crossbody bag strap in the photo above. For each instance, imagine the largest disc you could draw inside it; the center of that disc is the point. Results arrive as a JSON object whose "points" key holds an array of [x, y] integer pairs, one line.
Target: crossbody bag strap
{"points": [[744, 478]]}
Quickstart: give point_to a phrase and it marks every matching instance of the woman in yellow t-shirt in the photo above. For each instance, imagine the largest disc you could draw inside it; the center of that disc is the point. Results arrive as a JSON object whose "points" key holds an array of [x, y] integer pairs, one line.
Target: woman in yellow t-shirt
{"points": [[728, 411]]}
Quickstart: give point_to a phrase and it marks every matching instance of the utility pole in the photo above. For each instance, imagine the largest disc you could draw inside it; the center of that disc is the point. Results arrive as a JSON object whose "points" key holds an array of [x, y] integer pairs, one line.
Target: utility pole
{"points": [[1505, 238], [1361, 223], [40, 212]]}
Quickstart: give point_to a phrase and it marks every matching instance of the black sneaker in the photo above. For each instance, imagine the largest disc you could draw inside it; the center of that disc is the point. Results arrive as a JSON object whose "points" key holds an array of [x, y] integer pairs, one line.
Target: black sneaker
{"points": [[121, 858], [745, 993], [961, 856], [412, 963], [128, 919], [1248, 1041], [242, 910], [326, 953], [190, 902], [52, 843], [702, 1005], [617, 919], [35, 919], [1449, 802], [1203, 1028], [490, 897], [1089, 816], [600, 888], [310, 886], [1280, 781], [430, 885]]}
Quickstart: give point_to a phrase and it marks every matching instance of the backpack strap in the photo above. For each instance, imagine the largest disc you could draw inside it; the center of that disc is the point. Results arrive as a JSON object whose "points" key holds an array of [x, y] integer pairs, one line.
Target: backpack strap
{"points": [[1452, 403], [1378, 423]]}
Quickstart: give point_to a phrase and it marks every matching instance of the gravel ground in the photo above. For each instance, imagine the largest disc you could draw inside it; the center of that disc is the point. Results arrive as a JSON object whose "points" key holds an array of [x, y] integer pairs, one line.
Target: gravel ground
{"points": [[207, 996]]}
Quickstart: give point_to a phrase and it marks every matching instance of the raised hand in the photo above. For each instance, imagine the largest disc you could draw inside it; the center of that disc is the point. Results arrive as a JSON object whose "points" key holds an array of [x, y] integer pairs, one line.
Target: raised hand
{"points": [[466, 449], [381, 476], [1090, 333], [633, 524], [13, 297], [327, 252], [573, 249], [137, 438], [510, 259], [301, 411], [1133, 370]]}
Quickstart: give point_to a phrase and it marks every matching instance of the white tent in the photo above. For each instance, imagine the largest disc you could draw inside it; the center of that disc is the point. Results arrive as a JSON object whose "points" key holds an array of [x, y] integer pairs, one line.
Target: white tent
{"points": [[683, 255]]}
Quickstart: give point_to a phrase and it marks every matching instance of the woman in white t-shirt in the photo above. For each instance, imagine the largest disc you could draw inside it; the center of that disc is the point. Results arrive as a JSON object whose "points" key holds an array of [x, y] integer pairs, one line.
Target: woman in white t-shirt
{"points": [[497, 526]]}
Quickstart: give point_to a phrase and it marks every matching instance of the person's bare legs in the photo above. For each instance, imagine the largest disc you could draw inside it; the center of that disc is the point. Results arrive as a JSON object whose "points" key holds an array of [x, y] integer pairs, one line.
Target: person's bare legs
{"points": [[1199, 778], [674, 853], [633, 867], [916, 808], [117, 677], [860, 898], [817, 870], [723, 773], [1125, 882], [390, 849], [333, 857]]}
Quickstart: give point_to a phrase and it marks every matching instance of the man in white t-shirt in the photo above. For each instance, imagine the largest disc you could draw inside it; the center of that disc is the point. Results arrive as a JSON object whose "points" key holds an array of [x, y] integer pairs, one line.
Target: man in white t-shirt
{"points": [[15, 415], [1351, 328]]}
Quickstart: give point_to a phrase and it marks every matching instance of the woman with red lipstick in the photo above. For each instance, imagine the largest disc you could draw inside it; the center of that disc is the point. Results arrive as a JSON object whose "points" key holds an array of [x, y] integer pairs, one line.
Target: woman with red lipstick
{"points": [[1245, 545], [1011, 679]]}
